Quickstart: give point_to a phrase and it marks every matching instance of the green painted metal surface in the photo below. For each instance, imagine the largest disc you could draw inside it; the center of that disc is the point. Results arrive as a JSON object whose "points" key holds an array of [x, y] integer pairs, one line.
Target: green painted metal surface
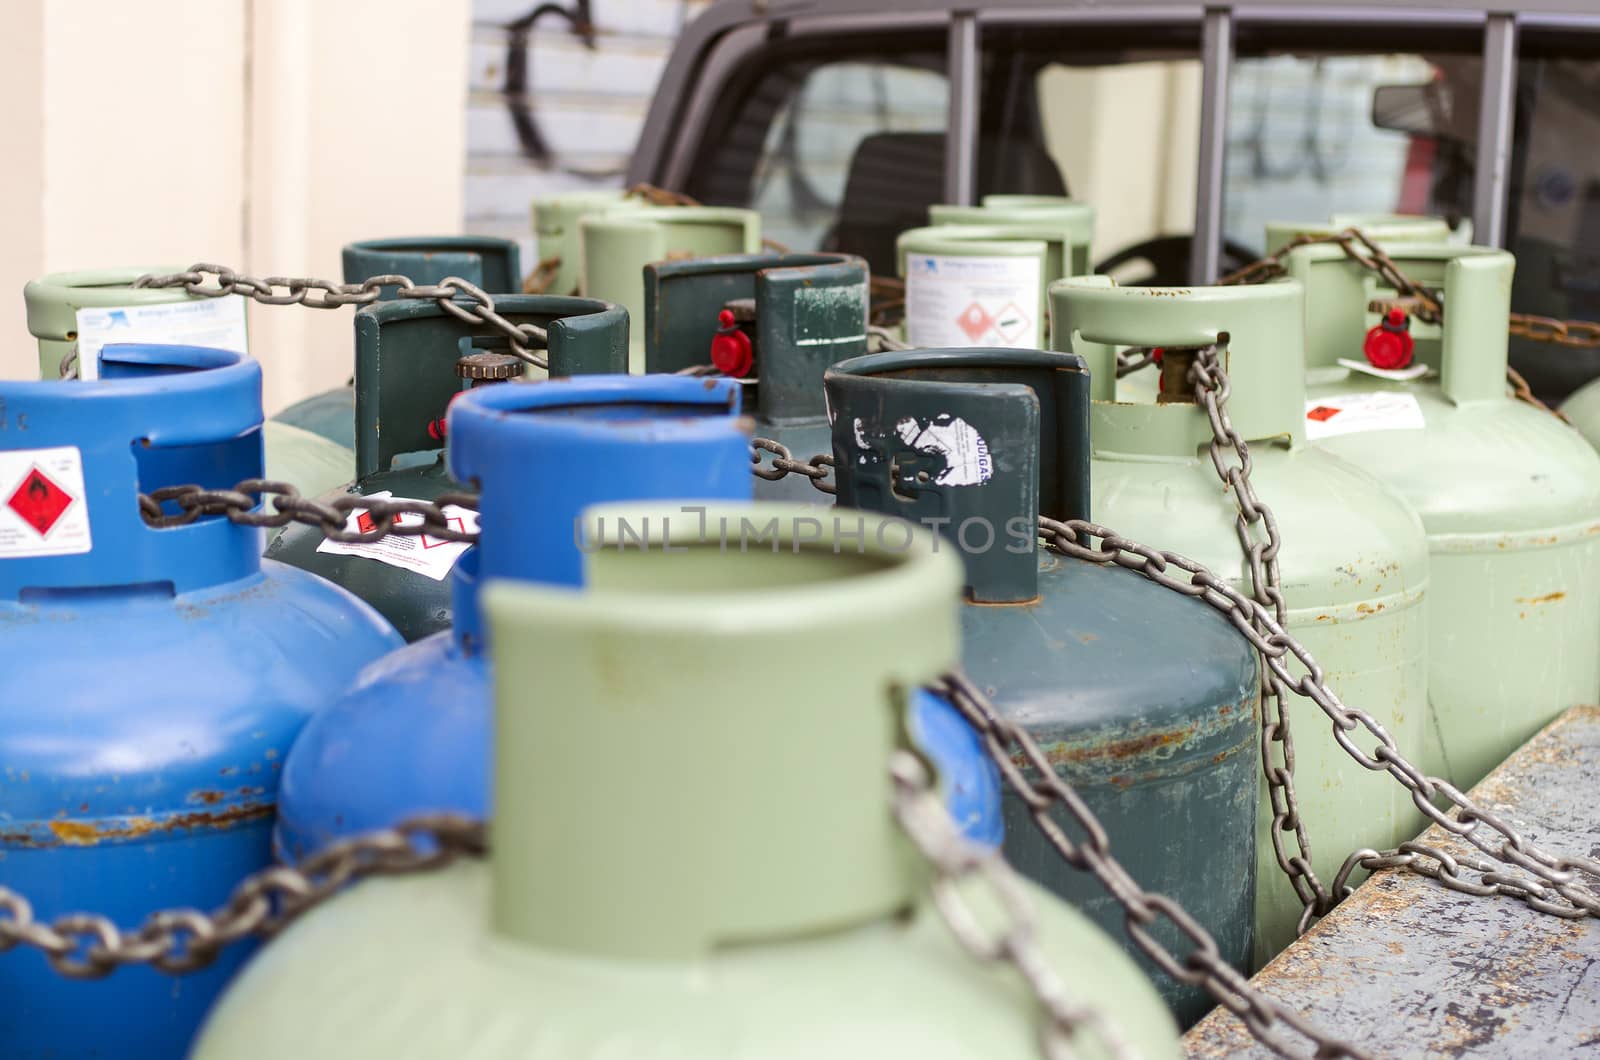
{"points": [[1583, 410], [981, 285], [1354, 560], [1381, 228], [555, 229], [1072, 220], [313, 463], [810, 312], [1142, 699], [752, 897], [617, 246], [405, 377], [1510, 497]]}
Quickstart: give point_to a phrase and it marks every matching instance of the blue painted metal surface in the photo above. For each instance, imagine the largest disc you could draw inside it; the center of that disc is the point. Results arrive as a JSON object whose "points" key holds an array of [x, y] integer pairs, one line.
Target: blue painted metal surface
{"points": [[152, 684], [809, 311], [1143, 700], [493, 264]]}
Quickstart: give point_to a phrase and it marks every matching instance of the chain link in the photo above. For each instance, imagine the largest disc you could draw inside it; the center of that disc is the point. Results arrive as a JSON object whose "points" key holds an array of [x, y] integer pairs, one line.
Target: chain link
{"points": [[1575, 334], [957, 860], [247, 505], [178, 941], [1423, 302], [461, 299], [784, 463]]}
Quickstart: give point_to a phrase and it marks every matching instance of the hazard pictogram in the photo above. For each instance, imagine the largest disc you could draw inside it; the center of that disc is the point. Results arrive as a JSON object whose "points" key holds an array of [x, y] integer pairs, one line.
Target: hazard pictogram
{"points": [[1012, 323], [1323, 413], [434, 542], [974, 320], [40, 501]]}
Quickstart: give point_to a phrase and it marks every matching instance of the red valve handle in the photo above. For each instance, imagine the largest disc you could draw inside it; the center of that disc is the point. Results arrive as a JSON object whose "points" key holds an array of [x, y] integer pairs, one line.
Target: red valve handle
{"points": [[1389, 345], [731, 351], [437, 429]]}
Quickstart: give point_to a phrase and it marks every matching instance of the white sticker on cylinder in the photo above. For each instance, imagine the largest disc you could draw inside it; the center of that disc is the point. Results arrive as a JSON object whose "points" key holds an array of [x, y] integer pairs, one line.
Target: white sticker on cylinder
{"points": [[218, 323], [1377, 410], [966, 454], [44, 509], [973, 301], [431, 557]]}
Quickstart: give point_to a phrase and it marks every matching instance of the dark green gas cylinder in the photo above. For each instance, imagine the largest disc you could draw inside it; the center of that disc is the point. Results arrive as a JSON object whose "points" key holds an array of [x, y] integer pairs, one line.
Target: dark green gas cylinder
{"points": [[492, 264], [773, 321], [412, 358], [1142, 699]]}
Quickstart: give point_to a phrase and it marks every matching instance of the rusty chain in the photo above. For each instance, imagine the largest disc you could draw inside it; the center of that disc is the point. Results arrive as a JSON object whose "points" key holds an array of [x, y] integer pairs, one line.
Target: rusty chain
{"points": [[178, 941], [957, 860], [784, 463], [1230, 456], [460, 298]]}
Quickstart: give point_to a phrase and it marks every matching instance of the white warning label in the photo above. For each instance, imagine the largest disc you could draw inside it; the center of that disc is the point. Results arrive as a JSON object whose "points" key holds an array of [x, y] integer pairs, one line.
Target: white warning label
{"points": [[431, 557], [966, 454], [44, 509], [1379, 410], [215, 322], [973, 301]]}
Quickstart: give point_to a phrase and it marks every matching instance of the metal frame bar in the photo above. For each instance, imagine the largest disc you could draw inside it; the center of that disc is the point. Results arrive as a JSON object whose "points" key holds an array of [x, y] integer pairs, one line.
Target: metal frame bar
{"points": [[1496, 118], [1216, 61], [961, 131]]}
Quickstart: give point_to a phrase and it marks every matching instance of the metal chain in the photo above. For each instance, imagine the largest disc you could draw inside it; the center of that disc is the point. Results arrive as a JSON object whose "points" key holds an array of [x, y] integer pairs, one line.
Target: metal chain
{"points": [[246, 504], [1556, 882], [1013, 750], [1422, 301], [1575, 334], [178, 941], [957, 860], [460, 298], [784, 463], [1230, 456], [1135, 359]]}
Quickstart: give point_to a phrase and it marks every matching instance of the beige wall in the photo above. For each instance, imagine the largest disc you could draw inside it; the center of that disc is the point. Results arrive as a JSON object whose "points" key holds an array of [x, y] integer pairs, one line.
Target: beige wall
{"points": [[262, 134]]}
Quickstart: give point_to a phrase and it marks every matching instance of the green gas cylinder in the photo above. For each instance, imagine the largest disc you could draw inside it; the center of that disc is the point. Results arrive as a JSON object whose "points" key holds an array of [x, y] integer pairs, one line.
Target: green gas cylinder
{"points": [[78, 312], [1073, 219], [1354, 559], [617, 246], [495, 265], [980, 285], [555, 231], [1510, 495], [693, 851], [775, 322], [412, 358]]}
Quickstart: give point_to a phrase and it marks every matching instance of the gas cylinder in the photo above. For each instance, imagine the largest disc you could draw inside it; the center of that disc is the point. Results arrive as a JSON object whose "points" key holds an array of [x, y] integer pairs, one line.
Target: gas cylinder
{"points": [[555, 231], [412, 359], [78, 312], [694, 851], [1354, 558], [980, 285], [154, 678], [495, 265], [1142, 385], [1074, 219], [774, 322], [617, 245], [1510, 495], [1143, 700]]}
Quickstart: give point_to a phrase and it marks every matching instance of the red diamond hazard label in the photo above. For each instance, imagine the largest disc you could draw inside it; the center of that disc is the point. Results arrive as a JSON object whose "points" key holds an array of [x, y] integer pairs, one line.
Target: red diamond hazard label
{"points": [[44, 508], [974, 320], [40, 501], [1322, 413]]}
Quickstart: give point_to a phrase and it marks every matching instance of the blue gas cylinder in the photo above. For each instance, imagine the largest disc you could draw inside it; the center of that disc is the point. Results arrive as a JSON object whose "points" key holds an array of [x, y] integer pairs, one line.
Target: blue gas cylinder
{"points": [[154, 678], [1141, 699], [413, 734]]}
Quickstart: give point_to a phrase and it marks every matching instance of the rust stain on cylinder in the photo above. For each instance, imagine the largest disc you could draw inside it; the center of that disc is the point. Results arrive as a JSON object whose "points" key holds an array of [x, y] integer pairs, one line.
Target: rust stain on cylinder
{"points": [[91, 833]]}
